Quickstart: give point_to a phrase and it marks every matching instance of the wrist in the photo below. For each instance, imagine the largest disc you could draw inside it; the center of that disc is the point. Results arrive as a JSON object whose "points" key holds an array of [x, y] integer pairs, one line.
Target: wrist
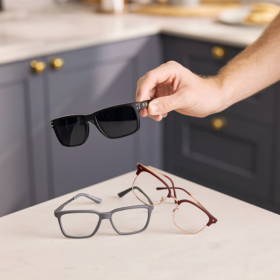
{"points": [[225, 92], [219, 95]]}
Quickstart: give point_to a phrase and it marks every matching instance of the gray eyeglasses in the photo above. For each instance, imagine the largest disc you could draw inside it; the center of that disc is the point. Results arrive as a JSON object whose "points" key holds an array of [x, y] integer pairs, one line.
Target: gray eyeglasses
{"points": [[85, 223]]}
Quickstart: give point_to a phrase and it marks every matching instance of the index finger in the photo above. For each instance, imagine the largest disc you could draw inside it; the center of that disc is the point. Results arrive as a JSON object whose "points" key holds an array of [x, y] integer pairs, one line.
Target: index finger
{"points": [[146, 85]]}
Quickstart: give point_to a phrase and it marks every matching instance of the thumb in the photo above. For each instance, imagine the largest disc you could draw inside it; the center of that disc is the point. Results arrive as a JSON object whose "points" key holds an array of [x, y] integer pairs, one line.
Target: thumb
{"points": [[163, 105]]}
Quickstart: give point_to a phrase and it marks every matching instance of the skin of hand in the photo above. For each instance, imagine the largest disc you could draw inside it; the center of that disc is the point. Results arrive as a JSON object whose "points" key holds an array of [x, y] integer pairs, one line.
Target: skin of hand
{"points": [[174, 87]]}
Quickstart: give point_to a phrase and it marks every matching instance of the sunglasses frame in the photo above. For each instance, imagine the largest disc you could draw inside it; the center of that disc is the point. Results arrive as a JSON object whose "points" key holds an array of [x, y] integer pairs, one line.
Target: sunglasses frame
{"points": [[137, 107]]}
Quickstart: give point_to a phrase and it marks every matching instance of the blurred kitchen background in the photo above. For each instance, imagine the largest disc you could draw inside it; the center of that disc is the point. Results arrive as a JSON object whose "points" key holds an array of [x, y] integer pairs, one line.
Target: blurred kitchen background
{"points": [[76, 57]]}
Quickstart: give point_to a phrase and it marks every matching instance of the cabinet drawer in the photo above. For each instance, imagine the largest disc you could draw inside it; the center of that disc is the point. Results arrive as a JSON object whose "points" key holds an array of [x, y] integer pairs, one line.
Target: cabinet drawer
{"points": [[180, 49], [239, 155], [259, 107]]}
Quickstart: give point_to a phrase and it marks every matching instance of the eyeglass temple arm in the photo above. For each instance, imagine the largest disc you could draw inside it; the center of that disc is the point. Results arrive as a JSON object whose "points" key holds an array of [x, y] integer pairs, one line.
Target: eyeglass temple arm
{"points": [[93, 198], [123, 193], [188, 194], [154, 171]]}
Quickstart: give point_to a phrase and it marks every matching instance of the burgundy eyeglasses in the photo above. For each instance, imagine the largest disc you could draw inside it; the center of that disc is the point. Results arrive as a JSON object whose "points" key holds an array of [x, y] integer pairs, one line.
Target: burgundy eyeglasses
{"points": [[152, 188]]}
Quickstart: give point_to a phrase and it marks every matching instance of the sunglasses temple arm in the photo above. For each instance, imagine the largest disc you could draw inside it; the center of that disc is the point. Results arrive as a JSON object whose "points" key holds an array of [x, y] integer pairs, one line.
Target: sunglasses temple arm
{"points": [[123, 193], [144, 105], [93, 198]]}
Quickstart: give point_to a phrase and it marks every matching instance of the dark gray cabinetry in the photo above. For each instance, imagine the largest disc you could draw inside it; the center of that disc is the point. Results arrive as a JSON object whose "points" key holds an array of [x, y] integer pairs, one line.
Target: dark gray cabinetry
{"points": [[34, 167], [93, 79], [238, 159], [23, 166], [242, 159]]}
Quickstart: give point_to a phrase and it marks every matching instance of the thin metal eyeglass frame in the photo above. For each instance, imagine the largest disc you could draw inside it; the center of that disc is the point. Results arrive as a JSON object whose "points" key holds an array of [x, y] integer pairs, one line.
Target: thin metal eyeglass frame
{"points": [[142, 168], [137, 107], [58, 213]]}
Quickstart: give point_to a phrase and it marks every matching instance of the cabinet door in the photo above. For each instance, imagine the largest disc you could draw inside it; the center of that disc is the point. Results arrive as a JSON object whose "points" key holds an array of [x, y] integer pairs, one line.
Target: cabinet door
{"points": [[237, 158], [23, 170], [93, 79]]}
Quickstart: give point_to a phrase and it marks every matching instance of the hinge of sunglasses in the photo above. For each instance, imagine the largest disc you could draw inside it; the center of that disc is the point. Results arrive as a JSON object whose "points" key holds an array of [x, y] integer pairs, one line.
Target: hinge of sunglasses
{"points": [[143, 105]]}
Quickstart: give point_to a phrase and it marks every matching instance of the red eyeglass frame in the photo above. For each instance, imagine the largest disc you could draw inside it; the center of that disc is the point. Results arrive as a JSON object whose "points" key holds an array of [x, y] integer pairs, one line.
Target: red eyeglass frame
{"points": [[142, 168]]}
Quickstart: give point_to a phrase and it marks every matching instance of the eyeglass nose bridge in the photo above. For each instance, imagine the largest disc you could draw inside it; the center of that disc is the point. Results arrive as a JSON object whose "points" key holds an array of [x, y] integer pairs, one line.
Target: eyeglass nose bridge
{"points": [[105, 216]]}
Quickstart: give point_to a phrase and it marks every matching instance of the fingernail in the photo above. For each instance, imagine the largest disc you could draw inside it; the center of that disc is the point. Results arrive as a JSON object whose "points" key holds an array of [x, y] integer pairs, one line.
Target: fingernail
{"points": [[153, 109]]}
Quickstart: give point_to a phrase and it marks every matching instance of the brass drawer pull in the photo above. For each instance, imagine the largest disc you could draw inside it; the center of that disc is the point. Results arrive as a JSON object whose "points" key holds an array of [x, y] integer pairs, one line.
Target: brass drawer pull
{"points": [[219, 52], [57, 63], [38, 67], [218, 123]]}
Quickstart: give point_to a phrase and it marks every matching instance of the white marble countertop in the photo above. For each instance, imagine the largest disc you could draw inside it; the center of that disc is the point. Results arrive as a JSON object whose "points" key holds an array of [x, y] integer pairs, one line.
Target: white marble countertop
{"points": [[243, 244], [30, 34]]}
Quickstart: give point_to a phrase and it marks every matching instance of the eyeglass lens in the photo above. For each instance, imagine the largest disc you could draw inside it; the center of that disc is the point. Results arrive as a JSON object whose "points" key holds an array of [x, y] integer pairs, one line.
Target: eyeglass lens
{"points": [[130, 220], [190, 218], [145, 188], [79, 224], [117, 122], [71, 131]]}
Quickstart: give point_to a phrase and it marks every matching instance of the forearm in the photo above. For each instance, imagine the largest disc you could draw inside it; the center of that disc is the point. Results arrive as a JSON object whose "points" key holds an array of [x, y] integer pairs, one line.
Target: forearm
{"points": [[174, 87], [257, 67]]}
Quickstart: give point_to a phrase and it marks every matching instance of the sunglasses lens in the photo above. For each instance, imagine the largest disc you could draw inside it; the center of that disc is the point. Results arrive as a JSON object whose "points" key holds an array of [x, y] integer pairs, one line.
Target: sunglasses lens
{"points": [[117, 122], [71, 131]]}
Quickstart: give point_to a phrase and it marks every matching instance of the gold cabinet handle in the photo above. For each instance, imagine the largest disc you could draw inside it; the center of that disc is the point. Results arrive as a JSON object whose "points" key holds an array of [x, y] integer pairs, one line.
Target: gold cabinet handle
{"points": [[57, 63], [218, 123], [219, 52], [38, 66]]}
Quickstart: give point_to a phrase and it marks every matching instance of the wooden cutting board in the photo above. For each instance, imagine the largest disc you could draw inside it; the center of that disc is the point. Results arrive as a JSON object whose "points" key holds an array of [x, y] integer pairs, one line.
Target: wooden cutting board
{"points": [[202, 10]]}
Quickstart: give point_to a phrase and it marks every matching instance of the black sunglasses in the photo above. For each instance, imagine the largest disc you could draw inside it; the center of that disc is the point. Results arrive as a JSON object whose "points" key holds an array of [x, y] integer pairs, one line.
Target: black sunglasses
{"points": [[113, 122]]}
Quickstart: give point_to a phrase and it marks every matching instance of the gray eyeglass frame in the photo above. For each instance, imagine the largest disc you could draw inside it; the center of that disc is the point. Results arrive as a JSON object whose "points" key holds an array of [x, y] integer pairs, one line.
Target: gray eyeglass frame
{"points": [[102, 215]]}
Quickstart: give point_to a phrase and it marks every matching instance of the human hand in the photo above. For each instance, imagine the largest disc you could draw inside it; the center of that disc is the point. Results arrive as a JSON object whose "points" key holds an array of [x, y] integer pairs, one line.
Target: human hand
{"points": [[174, 87]]}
